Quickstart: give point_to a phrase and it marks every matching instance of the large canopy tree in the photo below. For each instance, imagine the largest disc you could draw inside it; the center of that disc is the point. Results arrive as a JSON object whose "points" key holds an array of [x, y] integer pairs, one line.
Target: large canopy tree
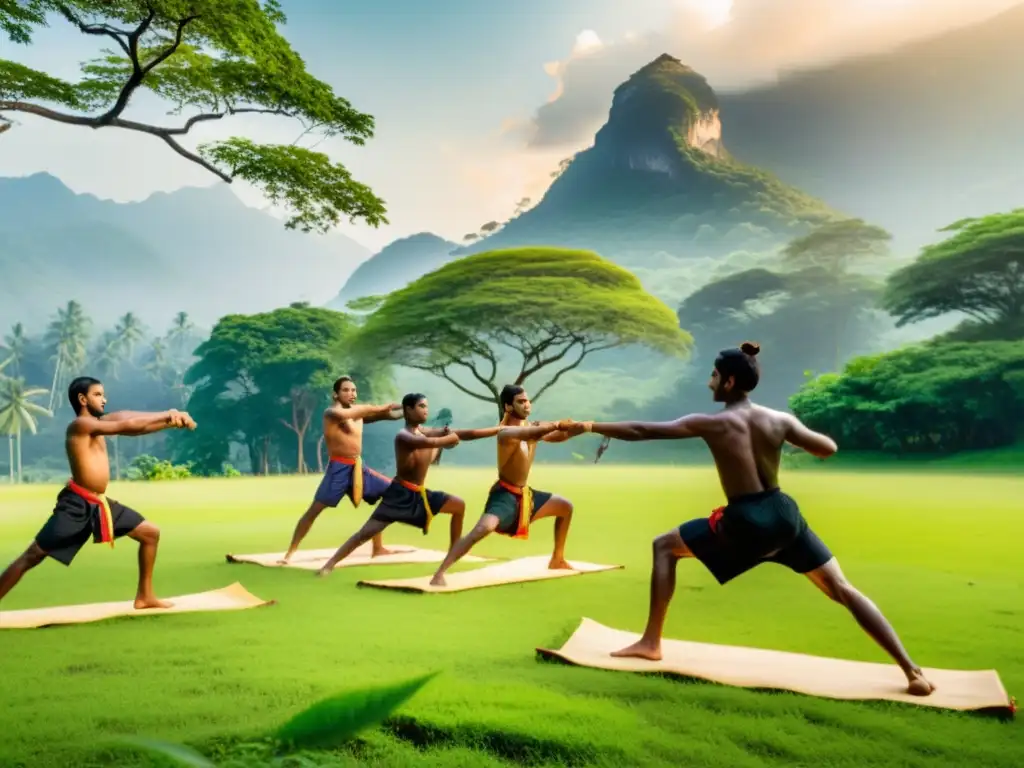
{"points": [[978, 272], [259, 374], [208, 59], [546, 308]]}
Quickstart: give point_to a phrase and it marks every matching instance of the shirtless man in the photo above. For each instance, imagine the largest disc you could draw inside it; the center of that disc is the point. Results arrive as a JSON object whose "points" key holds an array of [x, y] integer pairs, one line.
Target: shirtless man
{"points": [[512, 506], [760, 523], [82, 511], [346, 474], [407, 500]]}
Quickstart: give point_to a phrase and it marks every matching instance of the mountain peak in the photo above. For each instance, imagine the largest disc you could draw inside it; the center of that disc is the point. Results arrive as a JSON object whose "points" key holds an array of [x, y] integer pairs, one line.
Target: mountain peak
{"points": [[662, 106]]}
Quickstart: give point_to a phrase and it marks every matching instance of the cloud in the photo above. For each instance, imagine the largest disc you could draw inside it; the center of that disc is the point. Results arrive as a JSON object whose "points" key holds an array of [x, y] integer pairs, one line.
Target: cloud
{"points": [[735, 44]]}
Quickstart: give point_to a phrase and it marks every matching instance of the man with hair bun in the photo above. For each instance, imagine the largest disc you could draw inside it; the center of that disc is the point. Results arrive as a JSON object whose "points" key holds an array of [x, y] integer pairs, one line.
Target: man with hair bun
{"points": [[760, 523]]}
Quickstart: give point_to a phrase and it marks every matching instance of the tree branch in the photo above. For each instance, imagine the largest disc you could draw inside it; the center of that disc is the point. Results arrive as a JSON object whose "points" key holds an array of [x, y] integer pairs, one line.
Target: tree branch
{"points": [[117, 35], [194, 158], [583, 353], [442, 371]]}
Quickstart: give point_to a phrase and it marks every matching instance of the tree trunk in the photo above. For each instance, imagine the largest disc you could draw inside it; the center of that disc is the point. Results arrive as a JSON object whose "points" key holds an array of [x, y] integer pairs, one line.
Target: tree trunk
{"points": [[266, 455], [19, 455], [301, 458], [10, 456], [320, 455]]}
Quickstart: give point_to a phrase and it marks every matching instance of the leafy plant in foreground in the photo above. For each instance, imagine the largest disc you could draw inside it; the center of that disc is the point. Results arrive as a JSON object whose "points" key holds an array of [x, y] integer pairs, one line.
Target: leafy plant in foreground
{"points": [[327, 724]]}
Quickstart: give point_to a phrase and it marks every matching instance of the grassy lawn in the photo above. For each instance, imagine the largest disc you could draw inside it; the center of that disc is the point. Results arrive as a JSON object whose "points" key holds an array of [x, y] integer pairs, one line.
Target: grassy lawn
{"points": [[941, 555]]}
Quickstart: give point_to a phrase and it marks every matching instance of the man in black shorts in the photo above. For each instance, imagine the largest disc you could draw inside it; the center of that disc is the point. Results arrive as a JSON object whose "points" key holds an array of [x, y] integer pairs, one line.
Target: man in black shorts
{"points": [[82, 510], [760, 524]]}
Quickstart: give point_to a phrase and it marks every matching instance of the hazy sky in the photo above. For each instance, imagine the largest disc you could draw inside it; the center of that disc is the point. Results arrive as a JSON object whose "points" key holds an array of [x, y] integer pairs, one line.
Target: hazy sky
{"points": [[475, 102]]}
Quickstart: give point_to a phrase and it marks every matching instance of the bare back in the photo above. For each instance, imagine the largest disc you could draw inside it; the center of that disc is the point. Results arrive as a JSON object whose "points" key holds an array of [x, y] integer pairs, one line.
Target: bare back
{"points": [[343, 436], [746, 444], [87, 456], [515, 460]]}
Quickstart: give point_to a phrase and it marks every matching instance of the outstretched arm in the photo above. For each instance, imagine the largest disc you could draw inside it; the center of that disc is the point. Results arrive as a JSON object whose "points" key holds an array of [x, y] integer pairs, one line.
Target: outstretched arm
{"points": [[533, 432], [694, 425], [122, 415], [813, 442], [477, 434], [368, 413], [413, 440], [389, 412], [139, 424]]}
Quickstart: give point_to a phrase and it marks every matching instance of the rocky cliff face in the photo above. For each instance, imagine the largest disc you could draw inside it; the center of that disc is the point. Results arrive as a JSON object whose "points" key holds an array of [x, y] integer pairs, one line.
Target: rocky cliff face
{"points": [[661, 104], [659, 185]]}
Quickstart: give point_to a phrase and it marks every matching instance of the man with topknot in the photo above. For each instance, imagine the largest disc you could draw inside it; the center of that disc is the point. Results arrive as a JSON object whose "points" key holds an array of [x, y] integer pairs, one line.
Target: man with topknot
{"points": [[760, 523]]}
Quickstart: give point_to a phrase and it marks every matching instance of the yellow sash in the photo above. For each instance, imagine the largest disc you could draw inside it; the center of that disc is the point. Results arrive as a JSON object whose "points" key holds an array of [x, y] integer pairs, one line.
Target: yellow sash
{"points": [[525, 495], [422, 491], [357, 476]]}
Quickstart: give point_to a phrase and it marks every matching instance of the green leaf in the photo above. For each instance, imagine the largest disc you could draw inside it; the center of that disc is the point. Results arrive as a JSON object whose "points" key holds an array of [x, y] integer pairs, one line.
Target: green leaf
{"points": [[317, 191], [337, 719], [17, 18], [174, 753], [18, 82]]}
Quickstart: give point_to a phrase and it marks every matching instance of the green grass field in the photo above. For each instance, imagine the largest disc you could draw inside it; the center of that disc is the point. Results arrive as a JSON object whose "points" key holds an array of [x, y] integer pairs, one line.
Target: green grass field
{"points": [[941, 555]]}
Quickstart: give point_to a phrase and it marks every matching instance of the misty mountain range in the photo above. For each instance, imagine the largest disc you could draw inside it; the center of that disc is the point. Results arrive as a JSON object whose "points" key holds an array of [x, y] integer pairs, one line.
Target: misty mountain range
{"points": [[199, 250], [911, 140]]}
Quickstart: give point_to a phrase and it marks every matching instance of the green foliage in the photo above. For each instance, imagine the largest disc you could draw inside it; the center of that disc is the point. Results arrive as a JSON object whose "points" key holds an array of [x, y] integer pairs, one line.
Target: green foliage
{"points": [[978, 271], [548, 306], [257, 374], [211, 59], [743, 194], [732, 296], [146, 467], [932, 398], [837, 245], [329, 723]]}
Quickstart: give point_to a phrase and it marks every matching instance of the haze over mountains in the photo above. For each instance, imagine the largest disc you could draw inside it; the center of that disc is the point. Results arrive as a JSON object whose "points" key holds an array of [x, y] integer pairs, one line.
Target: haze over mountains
{"points": [[198, 250], [911, 140]]}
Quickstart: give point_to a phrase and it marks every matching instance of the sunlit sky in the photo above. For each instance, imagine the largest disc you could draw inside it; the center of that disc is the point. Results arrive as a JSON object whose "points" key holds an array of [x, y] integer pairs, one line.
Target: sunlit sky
{"points": [[456, 85]]}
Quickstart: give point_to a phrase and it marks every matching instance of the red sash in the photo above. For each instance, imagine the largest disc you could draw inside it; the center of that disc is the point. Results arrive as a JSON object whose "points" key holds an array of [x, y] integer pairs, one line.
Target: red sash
{"points": [[106, 519]]}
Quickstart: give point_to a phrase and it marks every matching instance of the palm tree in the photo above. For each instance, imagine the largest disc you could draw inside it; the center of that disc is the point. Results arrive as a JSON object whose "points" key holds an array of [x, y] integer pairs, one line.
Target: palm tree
{"points": [[10, 435], [16, 344], [157, 365], [129, 331], [182, 329], [67, 335], [17, 411], [108, 354]]}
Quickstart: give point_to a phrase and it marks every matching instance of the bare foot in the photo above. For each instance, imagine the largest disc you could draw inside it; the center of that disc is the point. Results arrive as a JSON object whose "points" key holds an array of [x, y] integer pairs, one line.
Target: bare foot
{"points": [[141, 603], [559, 564], [918, 684], [438, 581], [325, 571], [642, 649], [284, 561], [382, 551]]}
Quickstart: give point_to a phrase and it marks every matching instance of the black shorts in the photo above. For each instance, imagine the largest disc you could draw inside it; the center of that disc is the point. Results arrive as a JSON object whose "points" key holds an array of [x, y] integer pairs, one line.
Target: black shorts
{"points": [[764, 527], [74, 520], [403, 505]]}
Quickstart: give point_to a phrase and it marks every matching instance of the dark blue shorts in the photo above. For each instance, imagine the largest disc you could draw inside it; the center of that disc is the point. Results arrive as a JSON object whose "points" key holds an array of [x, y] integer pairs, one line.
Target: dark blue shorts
{"points": [[337, 483]]}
